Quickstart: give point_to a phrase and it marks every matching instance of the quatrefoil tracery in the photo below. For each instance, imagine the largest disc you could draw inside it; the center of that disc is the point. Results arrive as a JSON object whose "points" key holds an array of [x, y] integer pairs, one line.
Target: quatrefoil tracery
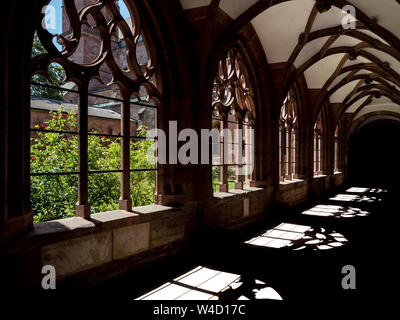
{"points": [[107, 24], [288, 115], [232, 91]]}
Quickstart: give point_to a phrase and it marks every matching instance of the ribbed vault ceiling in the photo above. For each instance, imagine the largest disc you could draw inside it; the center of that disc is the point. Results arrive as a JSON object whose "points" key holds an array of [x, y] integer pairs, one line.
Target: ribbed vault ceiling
{"points": [[359, 68]]}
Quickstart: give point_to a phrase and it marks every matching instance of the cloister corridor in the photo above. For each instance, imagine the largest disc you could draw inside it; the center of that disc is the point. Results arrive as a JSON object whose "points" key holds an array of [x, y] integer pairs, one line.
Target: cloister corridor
{"points": [[162, 156], [294, 258]]}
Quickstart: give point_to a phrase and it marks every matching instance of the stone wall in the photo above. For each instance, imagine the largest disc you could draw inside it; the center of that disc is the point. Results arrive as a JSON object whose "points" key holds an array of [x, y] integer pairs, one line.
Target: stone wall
{"points": [[338, 179], [100, 125], [112, 243], [293, 193], [321, 184], [229, 211], [80, 249]]}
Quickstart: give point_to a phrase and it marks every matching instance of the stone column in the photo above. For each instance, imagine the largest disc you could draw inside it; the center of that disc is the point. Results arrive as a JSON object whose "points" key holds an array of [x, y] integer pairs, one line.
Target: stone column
{"points": [[238, 154], [223, 184], [83, 206], [294, 160], [15, 209], [282, 153], [289, 152], [319, 148]]}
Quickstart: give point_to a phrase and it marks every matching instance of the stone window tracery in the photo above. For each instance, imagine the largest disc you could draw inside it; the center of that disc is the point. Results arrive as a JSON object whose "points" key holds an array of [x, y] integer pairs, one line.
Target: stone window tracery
{"points": [[108, 72], [318, 133], [233, 115], [288, 139], [337, 150]]}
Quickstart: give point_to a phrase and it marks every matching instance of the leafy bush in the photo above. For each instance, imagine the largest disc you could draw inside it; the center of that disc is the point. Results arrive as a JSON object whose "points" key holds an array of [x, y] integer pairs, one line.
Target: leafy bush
{"points": [[55, 196], [55, 73], [216, 178]]}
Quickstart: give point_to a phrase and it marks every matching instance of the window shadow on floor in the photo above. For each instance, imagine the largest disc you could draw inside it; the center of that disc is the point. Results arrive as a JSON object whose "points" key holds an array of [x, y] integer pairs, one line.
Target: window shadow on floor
{"points": [[202, 283], [330, 210], [298, 237]]}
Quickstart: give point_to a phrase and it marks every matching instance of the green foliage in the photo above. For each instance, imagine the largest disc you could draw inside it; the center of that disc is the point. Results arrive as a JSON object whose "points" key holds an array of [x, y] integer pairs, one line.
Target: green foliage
{"points": [[216, 170], [142, 182], [55, 71], [216, 178], [55, 196]]}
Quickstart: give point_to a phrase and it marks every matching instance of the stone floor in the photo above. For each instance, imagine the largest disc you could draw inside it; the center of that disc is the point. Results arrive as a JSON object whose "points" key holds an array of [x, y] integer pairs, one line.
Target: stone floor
{"points": [[294, 256]]}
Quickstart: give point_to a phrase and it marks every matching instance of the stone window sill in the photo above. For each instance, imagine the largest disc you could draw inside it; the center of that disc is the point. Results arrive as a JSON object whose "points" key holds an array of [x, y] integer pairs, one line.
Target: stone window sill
{"points": [[235, 192], [69, 228], [290, 184], [293, 181], [319, 176]]}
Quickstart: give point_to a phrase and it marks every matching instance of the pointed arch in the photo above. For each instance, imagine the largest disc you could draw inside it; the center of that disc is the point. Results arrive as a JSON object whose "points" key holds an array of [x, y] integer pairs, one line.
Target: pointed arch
{"points": [[288, 139]]}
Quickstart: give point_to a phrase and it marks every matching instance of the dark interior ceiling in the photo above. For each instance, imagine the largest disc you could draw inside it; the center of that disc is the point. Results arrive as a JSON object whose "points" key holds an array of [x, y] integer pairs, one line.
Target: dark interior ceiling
{"points": [[374, 153]]}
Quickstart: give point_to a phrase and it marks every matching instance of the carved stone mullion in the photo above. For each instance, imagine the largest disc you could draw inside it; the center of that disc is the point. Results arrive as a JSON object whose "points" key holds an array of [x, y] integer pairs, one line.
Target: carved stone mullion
{"points": [[289, 151], [83, 206], [294, 153], [232, 91], [282, 152], [223, 186], [125, 201], [239, 154], [318, 152], [82, 74]]}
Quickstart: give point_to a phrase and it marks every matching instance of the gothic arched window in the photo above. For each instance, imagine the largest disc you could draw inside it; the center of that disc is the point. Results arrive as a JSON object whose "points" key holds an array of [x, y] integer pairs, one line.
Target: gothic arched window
{"points": [[288, 139], [233, 114], [91, 67], [318, 132], [337, 150]]}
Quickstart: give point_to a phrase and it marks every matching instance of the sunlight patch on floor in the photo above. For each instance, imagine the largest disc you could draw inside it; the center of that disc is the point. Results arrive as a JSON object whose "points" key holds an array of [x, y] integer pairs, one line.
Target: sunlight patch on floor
{"points": [[335, 211], [298, 237], [365, 190], [203, 283], [354, 198]]}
